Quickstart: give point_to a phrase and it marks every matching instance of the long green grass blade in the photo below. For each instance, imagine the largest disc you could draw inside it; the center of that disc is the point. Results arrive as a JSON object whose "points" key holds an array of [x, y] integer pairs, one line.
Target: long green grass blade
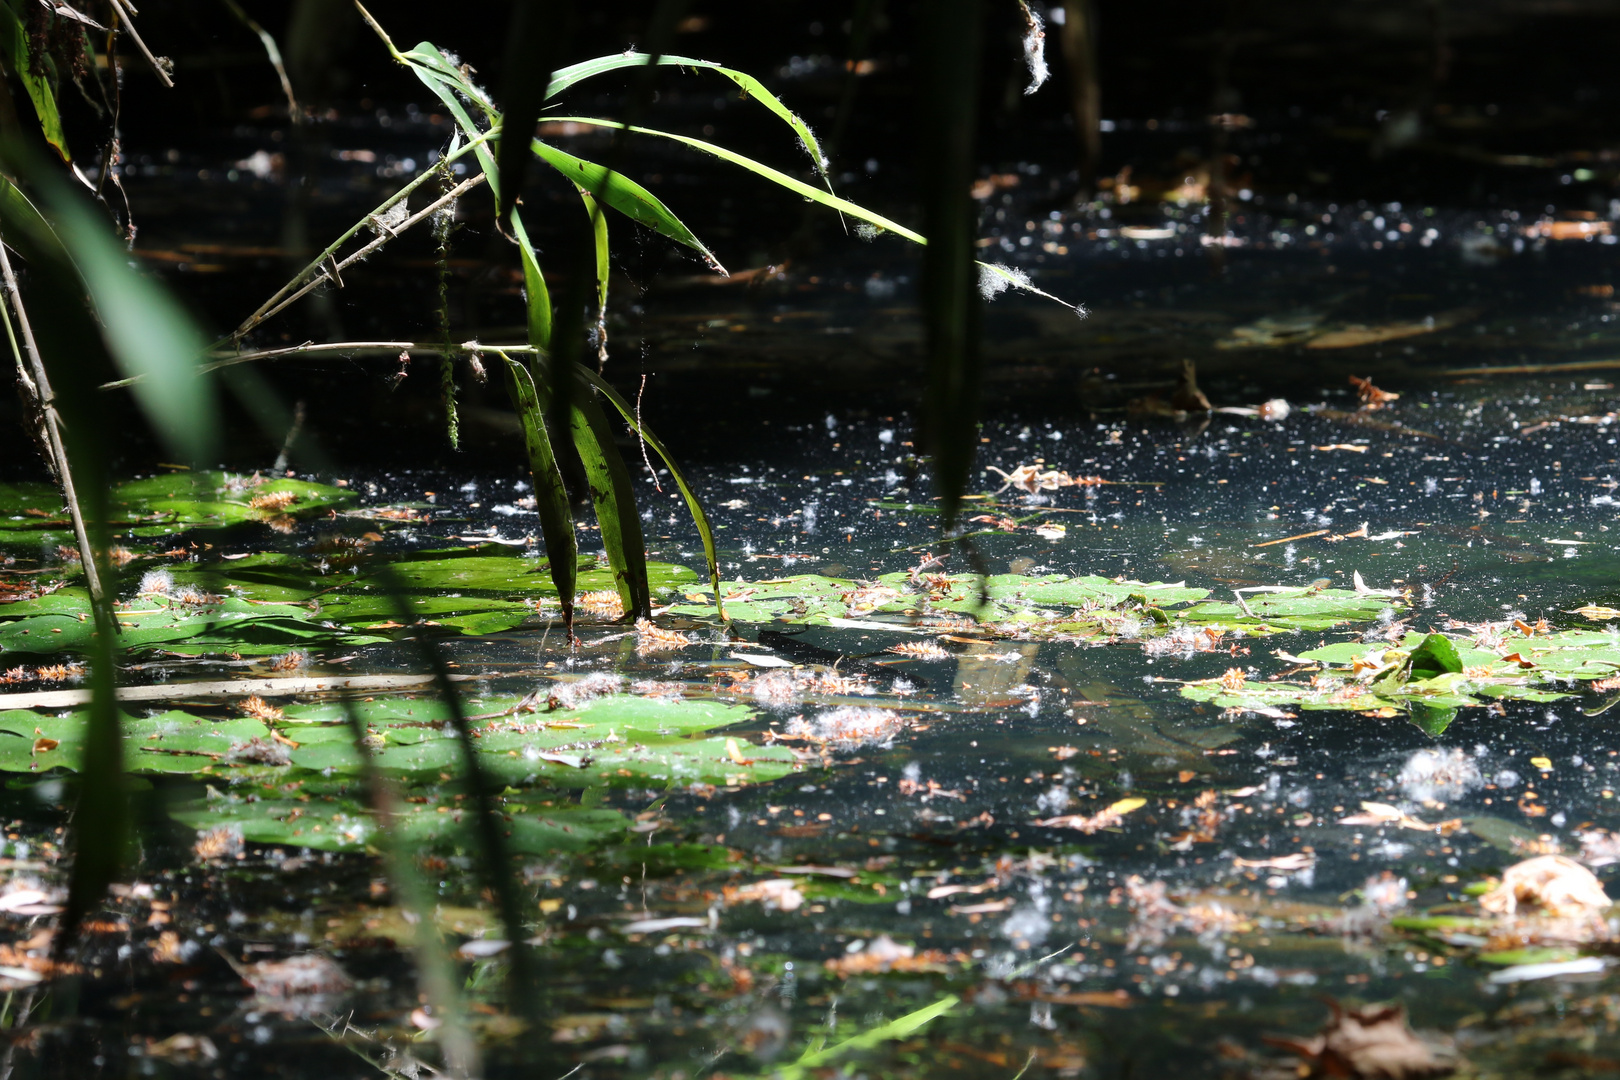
{"points": [[447, 82], [550, 496], [624, 195], [614, 498], [144, 330], [599, 234], [898, 1028], [537, 298], [1011, 276], [775, 176], [147, 333], [536, 37], [751, 87], [14, 53], [693, 506]]}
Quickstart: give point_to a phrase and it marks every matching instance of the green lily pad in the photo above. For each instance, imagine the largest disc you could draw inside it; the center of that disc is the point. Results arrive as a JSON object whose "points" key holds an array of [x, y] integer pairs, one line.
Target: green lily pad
{"points": [[1434, 656], [272, 602]]}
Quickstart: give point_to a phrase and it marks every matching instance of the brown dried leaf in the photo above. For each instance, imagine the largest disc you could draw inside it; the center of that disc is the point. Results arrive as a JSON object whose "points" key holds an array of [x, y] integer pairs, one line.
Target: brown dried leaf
{"points": [[1556, 884]]}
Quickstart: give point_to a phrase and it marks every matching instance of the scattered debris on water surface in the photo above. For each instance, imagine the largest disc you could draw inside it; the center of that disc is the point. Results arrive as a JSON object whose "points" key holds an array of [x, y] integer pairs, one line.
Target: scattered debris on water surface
{"points": [[848, 726], [224, 842], [297, 986], [1599, 847], [290, 663], [604, 603], [260, 709], [1372, 398], [46, 673], [273, 500], [1554, 884], [1034, 479], [651, 638], [780, 894], [883, 954], [1154, 915], [1375, 813], [784, 687], [920, 650], [1439, 776], [1108, 817], [571, 695], [1370, 1043], [257, 751]]}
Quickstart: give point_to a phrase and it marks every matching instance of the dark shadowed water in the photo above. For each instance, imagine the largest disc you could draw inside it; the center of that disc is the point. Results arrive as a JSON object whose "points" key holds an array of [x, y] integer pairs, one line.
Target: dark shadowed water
{"points": [[736, 928]]}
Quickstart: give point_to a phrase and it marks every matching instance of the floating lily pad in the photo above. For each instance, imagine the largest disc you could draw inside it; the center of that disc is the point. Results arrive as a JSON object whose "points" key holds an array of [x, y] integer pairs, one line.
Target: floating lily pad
{"points": [[271, 602], [614, 741], [1429, 676], [1053, 606], [33, 513]]}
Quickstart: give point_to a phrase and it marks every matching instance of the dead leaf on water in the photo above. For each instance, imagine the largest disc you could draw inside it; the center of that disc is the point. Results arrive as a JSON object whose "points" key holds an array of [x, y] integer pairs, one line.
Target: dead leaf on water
{"points": [[1556, 884], [1359, 334], [1368, 1043], [1105, 818], [1298, 861], [1373, 813]]}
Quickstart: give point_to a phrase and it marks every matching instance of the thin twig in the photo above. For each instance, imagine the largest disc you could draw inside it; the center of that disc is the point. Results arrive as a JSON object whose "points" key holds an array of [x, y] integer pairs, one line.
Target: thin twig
{"points": [[642, 439], [51, 420], [391, 348], [124, 11], [329, 266], [274, 53], [320, 260]]}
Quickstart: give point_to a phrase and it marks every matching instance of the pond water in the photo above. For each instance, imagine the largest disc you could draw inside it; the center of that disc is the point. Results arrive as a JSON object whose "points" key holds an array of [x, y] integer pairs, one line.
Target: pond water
{"points": [[1085, 818]]}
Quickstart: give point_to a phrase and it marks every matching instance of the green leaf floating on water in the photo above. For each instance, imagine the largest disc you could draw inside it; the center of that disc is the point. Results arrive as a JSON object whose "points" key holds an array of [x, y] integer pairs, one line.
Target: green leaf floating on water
{"points": [[161, 505], [1053, 606], [1429, 676], [272, 602], [616, 741], [1434, 656]]}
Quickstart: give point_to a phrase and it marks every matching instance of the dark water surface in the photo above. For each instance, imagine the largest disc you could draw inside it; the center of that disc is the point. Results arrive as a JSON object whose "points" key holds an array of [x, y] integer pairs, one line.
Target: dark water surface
{"points": [[900, 865]]}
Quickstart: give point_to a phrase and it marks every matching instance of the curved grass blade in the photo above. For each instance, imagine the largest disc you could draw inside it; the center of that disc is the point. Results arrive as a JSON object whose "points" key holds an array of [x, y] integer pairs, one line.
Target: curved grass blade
{"points": [[15, 55], [751, 87], [537, 298], [147, 333], [1013, 277], [537, 35], [599, 233], [776, 176], [624, 195], [550, 496], [615, 502], [446, 82], [693, 506]]}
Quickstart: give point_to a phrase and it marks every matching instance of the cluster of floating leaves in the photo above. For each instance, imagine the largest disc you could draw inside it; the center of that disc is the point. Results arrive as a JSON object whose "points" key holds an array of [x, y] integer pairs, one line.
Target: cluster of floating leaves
{"points": [[1429, 676]]}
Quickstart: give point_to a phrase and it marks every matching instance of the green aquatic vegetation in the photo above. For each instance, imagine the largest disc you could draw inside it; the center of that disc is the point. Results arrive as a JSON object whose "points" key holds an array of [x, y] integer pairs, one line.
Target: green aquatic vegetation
{"points": [[1430, 676], [271, 602], [1016, 605], [293, 776], [32, 516]]}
